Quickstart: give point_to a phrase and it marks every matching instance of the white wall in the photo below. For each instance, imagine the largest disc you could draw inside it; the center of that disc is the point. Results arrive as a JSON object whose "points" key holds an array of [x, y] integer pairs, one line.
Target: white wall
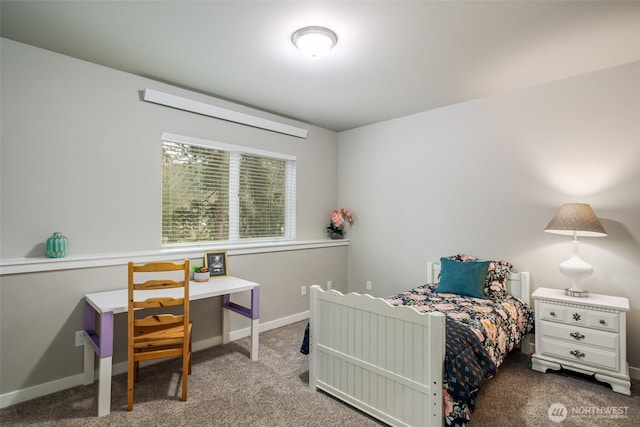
{"points": [[485, 177]]}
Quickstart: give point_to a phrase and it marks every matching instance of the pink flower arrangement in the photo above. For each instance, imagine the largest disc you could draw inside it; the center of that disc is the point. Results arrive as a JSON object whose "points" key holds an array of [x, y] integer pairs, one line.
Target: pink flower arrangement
{"points": [[338, 218]]}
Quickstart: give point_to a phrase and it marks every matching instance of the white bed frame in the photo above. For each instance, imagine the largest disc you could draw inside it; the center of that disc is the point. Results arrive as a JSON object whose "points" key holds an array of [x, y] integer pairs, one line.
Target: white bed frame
{"points": [[382, 359]]}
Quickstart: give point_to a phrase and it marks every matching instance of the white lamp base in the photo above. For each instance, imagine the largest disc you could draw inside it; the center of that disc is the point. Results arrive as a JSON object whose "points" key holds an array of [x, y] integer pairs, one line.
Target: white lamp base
{"points": [[576, 292], [576, 269]]}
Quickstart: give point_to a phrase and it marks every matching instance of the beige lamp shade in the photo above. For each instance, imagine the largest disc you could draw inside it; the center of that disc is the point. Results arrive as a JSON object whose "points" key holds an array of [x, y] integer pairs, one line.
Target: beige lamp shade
{"points": [[576, 219]]}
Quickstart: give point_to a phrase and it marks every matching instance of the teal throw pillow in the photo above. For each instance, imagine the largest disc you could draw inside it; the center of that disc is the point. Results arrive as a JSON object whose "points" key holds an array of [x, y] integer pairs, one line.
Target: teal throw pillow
{"points": [[463, 278]]}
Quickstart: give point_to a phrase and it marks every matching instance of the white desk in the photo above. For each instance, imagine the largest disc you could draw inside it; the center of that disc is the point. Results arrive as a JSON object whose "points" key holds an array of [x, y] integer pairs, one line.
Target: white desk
{"points": [[104, 305]]}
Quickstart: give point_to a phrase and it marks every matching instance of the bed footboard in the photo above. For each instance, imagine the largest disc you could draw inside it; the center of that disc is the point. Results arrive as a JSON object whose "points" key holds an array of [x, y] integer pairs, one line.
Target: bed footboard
{"points": [[386, 361]]}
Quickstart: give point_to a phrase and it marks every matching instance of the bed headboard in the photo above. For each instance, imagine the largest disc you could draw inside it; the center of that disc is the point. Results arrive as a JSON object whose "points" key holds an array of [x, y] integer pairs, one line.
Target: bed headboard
{"points": [[517, 285]]}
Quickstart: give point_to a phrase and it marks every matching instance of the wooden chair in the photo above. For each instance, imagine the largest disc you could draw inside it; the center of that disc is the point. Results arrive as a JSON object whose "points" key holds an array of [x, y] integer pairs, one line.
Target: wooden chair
{"points": [[162, 333]]}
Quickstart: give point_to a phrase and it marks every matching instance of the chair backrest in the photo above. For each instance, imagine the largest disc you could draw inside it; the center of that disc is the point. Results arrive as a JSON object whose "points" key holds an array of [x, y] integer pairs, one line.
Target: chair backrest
{"points": [[158, 285]]}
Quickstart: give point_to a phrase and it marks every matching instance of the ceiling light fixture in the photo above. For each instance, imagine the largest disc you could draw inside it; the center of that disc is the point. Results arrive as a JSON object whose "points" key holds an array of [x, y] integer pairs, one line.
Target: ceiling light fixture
{"points": [[314, 42]]}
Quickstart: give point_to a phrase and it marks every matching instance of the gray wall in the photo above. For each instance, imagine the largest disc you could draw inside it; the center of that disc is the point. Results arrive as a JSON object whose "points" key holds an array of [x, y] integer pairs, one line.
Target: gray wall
{"points": [[80, 153], [485, 177], [40, 312]]}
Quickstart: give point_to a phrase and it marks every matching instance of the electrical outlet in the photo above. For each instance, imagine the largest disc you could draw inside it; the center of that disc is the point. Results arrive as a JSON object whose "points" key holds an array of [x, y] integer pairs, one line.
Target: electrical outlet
{"points": [[329, 284], [303, 291], [368, 285], [79, 338]]}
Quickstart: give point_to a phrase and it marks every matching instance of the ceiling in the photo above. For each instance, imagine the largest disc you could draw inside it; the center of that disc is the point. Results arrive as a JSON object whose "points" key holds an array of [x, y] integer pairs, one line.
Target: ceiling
{"points": [[393, 58]]}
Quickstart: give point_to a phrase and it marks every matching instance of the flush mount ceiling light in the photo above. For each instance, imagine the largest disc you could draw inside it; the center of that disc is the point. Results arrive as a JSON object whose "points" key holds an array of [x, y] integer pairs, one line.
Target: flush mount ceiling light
{"points": [[314, 42]]}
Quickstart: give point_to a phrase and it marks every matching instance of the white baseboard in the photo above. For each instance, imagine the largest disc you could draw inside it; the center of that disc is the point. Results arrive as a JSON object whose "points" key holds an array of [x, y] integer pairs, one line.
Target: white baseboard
{"points": [[634, 373], [44, 389], [528, 344], [267, 326], [29, 393]]}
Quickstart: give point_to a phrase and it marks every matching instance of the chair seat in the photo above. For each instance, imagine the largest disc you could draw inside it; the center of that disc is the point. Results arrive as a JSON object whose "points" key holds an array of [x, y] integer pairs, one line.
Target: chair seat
{"points": [[157, 337]]}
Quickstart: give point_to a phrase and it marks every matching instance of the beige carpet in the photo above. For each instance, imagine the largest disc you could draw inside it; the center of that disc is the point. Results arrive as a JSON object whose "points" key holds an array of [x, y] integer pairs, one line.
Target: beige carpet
{"points": [[227, 389], [518, 396]]}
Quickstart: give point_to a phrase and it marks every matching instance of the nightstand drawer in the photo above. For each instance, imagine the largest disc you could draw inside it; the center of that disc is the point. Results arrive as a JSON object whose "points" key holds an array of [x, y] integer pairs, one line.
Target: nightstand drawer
{"points": [[576, 316], [603, 320], [579, 335], [552, 312], [580, 354]]}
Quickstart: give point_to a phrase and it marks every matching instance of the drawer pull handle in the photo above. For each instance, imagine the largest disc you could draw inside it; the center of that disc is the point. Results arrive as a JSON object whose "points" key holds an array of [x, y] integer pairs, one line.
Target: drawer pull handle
{"points": [[576, 316], [553, 313], [602, 322], [576, 335], [577, 354]]}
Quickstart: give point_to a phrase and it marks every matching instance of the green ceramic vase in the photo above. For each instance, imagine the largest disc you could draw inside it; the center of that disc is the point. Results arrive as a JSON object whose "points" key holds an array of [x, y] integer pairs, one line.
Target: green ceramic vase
{"points": [[57, 245]]}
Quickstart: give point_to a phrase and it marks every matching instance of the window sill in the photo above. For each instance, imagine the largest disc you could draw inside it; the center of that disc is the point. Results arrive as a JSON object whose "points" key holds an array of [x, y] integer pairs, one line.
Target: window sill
{"points": [[72, 262]]}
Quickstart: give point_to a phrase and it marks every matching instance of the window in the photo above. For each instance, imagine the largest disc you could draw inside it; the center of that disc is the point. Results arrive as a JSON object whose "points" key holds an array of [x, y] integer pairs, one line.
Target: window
{"points": [[219, 192]]}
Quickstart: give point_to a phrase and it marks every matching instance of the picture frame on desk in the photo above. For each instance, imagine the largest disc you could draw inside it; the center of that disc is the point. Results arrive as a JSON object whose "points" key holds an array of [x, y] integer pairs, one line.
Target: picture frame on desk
{"points": [[216, 262]]}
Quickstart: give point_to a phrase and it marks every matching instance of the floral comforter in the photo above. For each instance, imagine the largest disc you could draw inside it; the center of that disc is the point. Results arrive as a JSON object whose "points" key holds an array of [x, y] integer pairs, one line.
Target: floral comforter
{"points": [[480, 333]]}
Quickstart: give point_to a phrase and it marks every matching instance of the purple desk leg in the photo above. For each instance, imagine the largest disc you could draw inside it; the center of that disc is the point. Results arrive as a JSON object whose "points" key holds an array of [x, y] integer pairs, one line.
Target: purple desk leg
{"points": [[252, 313], [100, 343], [255, 321]]}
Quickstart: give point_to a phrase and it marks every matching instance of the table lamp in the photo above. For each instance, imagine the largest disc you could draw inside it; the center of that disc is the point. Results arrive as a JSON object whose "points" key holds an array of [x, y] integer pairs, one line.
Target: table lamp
{"points": [[576, 219]]}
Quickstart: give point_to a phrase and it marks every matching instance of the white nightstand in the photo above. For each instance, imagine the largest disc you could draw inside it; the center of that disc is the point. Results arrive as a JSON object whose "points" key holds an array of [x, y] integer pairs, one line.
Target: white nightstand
{"points": [[587, 335]]}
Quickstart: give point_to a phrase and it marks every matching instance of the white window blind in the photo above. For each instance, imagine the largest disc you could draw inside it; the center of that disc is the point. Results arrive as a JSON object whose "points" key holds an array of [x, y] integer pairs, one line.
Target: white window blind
{"points": [[218, 192]]}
